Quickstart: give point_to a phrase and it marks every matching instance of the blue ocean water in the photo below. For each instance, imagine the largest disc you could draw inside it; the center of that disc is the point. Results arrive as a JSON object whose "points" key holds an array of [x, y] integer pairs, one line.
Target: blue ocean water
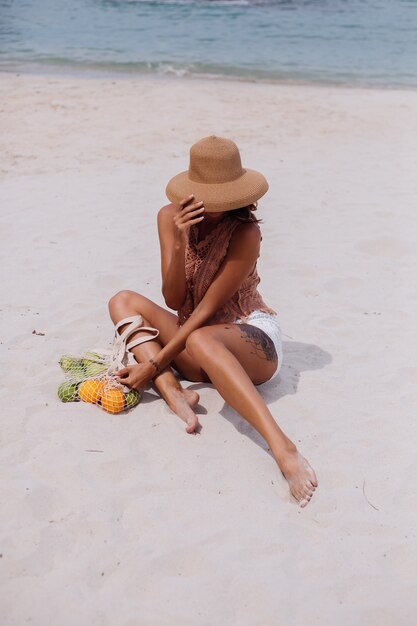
{"points": [[358, 42]]}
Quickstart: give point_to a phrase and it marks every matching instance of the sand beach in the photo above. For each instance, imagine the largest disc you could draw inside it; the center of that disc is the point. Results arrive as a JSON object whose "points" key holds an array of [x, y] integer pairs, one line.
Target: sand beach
{"points": [[126, 520]]}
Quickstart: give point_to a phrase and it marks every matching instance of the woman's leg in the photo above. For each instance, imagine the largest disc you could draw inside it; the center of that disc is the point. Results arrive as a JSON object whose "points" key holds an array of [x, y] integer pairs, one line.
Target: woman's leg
{"points": [[236, 357], [127, 303]]}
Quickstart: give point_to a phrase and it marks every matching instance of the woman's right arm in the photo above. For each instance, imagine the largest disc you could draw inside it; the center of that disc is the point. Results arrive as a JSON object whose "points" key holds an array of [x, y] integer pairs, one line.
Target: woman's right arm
{"points": [[173, 225]]}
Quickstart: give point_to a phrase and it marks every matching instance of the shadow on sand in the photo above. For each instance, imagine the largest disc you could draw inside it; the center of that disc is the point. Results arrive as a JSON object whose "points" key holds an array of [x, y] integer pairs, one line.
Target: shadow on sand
{"points": [[298, 357]]}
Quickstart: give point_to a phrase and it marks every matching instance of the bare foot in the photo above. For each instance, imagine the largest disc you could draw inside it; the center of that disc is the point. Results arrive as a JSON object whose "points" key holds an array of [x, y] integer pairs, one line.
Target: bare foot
{"points": [[300, 476], [178, 403], [192, 398]]}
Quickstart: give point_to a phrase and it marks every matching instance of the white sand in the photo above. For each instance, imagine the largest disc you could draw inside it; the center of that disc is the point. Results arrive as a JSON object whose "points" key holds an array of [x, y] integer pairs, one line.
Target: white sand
{"points": [[156, 527]]}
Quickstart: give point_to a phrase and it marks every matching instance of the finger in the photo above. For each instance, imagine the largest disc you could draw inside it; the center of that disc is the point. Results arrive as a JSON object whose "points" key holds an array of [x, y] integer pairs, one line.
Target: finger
{"points": [[195, 221], [125, 381], [184, 219], [192, 207], [123, 372], [186, 200]]}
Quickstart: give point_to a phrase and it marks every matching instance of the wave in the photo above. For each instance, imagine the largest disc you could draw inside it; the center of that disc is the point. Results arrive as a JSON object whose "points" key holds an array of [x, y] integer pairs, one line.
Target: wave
{"points": [[293, 75], [114, 3]]}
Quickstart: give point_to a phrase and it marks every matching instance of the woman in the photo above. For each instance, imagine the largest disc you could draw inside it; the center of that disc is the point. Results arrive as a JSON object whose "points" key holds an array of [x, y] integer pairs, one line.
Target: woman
{"points": [[223, 333]]}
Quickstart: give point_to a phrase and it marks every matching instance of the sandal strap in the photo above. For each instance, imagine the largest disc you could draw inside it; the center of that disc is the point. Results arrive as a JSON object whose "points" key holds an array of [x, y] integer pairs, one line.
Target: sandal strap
{"points": [[136, 342], [135, 322], [120, 345]]}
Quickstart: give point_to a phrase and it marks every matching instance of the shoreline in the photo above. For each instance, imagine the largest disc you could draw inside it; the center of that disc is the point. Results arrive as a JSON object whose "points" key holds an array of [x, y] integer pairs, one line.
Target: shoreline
{"points": [[89, 73]]}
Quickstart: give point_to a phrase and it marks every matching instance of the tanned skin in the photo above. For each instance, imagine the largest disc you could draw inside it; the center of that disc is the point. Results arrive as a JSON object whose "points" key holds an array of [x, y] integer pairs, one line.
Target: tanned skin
{"points": [[234, 357]]}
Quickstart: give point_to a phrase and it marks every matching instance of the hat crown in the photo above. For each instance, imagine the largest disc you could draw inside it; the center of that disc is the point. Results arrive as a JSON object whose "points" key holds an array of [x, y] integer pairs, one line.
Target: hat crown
{"points": [[214, 160]]}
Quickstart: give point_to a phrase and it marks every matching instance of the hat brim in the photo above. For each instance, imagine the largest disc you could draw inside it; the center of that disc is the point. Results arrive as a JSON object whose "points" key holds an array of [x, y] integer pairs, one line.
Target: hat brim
{"points": [[235, 194]]}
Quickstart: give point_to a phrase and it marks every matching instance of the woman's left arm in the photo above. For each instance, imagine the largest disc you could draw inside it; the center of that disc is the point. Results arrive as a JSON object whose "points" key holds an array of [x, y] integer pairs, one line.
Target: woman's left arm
{"points": [[239, 262]]}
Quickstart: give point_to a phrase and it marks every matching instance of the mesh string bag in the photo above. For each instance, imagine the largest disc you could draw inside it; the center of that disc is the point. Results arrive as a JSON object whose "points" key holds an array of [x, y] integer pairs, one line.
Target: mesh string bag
{"points": [[91, 377]]}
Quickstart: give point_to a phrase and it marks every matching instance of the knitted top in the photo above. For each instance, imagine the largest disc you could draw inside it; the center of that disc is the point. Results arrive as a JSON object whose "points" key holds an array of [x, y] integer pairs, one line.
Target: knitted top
{"points": [[202, 261]]}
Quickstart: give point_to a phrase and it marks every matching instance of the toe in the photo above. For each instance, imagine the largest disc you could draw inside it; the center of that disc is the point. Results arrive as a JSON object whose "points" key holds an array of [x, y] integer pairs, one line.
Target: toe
{"points": [[190, 428], [297, 495]]}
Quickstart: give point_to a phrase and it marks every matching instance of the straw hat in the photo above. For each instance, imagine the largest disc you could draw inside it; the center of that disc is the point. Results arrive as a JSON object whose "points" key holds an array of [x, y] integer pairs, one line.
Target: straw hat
{"points": [[216, 176]]}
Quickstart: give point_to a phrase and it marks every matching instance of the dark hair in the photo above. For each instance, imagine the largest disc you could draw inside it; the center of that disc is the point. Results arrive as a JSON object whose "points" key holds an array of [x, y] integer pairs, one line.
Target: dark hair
{"points": [[245, 214]]}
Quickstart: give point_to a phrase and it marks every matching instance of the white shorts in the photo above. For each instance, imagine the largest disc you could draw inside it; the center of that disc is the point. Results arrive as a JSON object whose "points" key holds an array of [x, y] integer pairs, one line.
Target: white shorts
{"points": [[268, 322]]}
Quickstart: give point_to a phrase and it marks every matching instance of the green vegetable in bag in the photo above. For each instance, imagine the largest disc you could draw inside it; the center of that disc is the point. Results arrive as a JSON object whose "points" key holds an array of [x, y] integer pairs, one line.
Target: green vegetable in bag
{"points": [[93, 369], [68, 392], [73, 368], [132, 398]]}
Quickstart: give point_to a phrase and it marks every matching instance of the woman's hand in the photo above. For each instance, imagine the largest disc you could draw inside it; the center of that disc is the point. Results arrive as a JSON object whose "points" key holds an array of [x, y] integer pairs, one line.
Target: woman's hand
{"points": [[136, 376], [187, 215]]}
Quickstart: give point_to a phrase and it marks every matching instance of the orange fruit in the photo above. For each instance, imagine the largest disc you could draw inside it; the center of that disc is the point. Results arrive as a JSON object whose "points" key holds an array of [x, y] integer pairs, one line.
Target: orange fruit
{"points": [[113, 401], [91, 390]]}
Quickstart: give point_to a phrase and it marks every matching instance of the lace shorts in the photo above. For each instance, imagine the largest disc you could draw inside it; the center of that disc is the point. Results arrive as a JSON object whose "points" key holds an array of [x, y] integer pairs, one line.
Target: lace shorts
{"points": [[267, 322]]}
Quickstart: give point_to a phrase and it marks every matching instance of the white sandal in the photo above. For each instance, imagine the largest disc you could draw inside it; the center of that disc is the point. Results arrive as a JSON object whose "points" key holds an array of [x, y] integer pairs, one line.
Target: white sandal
{"points": [[121, 349]]}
